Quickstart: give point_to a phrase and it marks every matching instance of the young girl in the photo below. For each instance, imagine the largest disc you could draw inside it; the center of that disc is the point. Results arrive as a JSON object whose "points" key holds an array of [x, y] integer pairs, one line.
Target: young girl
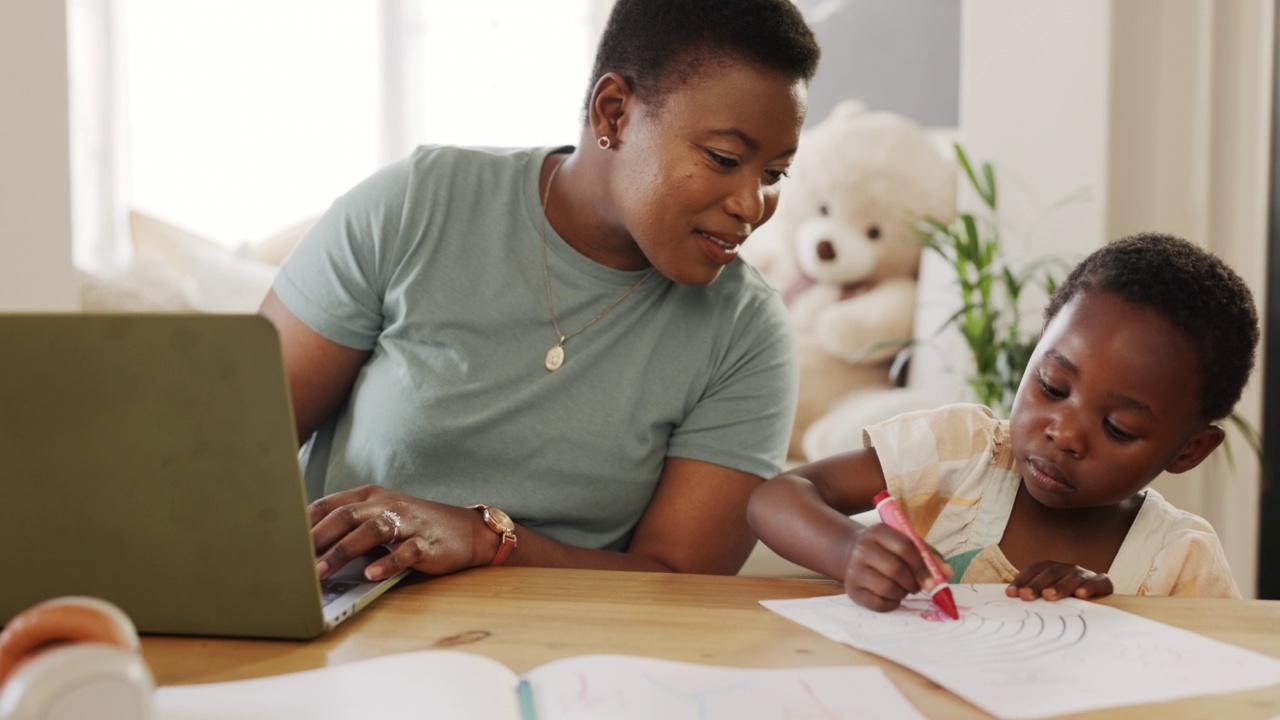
{"points": [[1147, 343]]}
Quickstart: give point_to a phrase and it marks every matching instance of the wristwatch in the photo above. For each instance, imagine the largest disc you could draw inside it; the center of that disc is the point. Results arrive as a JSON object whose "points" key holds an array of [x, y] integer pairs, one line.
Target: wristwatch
{"points": [[500, 523]]}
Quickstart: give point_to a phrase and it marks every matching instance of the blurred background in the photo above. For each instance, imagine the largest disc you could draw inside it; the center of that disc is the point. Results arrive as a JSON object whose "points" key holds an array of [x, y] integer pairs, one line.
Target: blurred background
{"points": [[208, 133]]}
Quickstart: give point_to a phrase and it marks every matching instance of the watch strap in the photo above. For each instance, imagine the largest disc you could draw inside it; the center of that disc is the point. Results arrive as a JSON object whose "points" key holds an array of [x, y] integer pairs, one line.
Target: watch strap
{"points": [[504, 550]]}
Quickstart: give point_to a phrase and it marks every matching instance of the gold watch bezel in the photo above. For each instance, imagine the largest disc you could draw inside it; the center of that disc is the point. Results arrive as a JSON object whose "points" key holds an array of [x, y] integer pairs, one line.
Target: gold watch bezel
{"points": [[498, 521]]}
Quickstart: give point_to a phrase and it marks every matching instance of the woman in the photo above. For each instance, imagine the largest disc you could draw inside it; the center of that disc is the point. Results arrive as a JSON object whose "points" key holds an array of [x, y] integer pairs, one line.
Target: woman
{"points": [[566, 334]]}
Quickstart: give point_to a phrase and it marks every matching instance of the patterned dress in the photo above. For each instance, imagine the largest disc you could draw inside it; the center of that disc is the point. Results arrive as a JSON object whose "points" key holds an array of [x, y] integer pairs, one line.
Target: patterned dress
{"points": [[952, 470]]}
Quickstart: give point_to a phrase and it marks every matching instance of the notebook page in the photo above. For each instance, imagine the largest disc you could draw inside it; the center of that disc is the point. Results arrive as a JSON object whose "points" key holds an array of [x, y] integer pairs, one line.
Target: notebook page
{"points": [[430, 683], [618, 687]]}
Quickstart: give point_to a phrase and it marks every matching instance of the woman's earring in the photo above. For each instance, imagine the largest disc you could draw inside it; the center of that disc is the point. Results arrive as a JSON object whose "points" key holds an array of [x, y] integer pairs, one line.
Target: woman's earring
{"points": [[604, 142]]}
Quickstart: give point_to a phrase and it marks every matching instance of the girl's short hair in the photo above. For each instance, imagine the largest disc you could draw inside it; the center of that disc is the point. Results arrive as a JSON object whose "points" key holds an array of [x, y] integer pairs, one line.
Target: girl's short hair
{"points": [[1198, 293]]}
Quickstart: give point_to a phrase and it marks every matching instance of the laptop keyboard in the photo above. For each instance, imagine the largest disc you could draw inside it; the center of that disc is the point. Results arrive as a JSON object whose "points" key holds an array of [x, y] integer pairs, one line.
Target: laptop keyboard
{"points": [[331, 590]]}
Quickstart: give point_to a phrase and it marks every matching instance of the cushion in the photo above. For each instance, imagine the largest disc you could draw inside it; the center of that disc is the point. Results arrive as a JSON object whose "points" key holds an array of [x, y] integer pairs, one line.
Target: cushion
{"points": [[176, 269]]}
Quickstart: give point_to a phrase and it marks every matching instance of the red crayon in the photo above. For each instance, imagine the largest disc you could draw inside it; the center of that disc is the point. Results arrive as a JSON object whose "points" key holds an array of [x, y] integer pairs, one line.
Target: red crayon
{"points": [[892, 515]]}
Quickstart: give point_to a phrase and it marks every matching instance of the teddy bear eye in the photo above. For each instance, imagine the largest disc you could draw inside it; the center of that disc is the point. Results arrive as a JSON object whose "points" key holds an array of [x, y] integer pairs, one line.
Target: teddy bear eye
{"points": [[824, 210], [873, 232]]}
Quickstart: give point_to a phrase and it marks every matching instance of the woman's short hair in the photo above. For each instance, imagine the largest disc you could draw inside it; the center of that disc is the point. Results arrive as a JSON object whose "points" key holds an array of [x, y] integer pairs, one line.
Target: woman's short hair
{"points": [[658, 45]]}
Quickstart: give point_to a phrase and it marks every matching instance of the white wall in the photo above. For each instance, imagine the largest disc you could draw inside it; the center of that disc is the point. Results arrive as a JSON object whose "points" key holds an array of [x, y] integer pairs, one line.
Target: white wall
{"points": [[1033, 102], [1162, 109], [35, 186]]}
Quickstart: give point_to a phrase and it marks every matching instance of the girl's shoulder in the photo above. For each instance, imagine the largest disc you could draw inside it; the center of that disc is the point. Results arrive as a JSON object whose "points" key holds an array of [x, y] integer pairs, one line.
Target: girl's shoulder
{"points": [[1171, 551], [959, 430]]}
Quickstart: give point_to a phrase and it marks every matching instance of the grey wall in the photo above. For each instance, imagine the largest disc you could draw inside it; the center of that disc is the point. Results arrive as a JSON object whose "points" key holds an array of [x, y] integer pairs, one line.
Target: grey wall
{"points": [[898, 55]]}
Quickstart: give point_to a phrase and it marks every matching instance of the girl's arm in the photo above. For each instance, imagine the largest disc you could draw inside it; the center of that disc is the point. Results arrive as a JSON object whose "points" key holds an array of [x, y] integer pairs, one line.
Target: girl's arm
{"points": [[804, 516]]}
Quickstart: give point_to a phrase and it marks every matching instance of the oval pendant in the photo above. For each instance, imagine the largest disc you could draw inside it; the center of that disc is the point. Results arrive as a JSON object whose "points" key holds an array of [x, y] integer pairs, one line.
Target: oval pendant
{"points": [[555, 358]]}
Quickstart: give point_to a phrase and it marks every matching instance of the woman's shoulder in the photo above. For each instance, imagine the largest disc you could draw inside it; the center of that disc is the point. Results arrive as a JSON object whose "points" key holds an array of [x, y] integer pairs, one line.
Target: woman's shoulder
{"points": [[486, 181], [427, 160], [742, 279], [740, 300], [431, 172]]}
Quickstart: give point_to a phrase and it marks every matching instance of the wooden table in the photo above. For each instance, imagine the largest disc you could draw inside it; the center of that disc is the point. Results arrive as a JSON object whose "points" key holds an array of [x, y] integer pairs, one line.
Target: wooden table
{"points": [[527, 616]]}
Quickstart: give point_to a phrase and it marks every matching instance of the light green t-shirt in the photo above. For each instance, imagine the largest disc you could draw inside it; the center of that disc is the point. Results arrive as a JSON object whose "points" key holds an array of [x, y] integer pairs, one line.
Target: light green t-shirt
{"points": [[434, 263]]}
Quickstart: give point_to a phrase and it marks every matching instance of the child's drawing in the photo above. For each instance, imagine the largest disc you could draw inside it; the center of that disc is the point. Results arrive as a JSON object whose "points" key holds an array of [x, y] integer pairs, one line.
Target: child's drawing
{"points": [[998, 630], [1019, 659]]}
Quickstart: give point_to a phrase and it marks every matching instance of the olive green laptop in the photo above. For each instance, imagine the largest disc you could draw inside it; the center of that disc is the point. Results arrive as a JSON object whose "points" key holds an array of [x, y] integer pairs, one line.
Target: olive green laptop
{"points": [[152, 460]]}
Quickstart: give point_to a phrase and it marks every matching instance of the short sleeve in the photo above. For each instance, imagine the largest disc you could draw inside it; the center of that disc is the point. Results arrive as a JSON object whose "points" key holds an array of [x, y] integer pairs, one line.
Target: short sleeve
{"points": [[1191, 564], [743, 419], [335, 280], [950, 470], [932, 451]]}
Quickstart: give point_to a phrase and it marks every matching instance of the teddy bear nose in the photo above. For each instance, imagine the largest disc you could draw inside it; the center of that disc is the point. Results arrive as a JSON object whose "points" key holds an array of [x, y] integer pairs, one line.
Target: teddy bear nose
{"points": [[826, 251]]}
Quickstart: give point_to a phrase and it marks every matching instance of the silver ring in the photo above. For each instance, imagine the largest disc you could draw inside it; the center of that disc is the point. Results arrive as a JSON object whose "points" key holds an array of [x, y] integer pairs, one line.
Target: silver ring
{"points": [[394, 519]]}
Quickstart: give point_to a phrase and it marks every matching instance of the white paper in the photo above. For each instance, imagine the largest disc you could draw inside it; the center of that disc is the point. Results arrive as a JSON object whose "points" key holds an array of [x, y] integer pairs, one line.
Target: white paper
{"points": [[461, 686], [617, 687], [1018, 659], [436, 684]]}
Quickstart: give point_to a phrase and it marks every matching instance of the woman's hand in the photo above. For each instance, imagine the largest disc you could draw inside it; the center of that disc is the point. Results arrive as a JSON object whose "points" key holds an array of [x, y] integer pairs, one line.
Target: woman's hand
{"points": [[884, 567], [1053, 580], [426, 536]]}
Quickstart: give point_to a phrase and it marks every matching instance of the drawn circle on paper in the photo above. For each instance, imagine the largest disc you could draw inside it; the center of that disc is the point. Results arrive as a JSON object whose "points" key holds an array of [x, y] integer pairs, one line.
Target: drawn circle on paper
{"points": [[1015, 610]]}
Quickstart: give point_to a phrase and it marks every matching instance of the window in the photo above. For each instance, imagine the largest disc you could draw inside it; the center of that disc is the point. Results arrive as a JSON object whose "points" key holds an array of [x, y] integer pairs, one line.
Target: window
{"points": [[510, 73], [236, 118]]}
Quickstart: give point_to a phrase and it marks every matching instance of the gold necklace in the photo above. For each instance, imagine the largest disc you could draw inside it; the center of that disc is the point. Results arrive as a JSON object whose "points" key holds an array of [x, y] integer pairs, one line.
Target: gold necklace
{"points": [[555, 356]]}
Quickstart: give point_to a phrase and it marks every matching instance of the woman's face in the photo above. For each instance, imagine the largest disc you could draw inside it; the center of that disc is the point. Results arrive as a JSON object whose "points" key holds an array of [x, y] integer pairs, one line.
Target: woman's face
{"points": [[696, 175]]}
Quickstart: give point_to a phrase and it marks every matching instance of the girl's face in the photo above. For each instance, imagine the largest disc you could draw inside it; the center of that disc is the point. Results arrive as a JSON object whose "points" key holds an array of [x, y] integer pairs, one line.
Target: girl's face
{"points": [[1109, 401], [695, 176]]}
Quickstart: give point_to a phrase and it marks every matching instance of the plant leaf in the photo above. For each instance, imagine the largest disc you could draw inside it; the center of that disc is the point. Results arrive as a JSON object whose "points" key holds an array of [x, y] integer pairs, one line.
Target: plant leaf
{"points": [[987, 196], [990, 176]]}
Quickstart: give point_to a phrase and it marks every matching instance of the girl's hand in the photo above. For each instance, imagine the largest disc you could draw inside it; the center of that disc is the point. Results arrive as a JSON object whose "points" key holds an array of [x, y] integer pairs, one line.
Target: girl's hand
{"points": [[1053, 580], [884, 567], [426, 536]]}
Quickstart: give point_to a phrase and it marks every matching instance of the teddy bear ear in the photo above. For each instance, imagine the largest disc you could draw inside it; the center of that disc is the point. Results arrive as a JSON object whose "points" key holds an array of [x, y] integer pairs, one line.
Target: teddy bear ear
{"points": [[846, 109]]}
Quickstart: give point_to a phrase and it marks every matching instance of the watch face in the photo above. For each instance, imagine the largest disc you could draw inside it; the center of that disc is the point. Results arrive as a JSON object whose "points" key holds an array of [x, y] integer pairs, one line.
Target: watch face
{"points": [[501, 519]]}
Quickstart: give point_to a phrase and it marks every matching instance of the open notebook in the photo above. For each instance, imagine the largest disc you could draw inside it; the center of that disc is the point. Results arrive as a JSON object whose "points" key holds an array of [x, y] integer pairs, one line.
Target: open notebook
{"points": [[462, 685], [151, 460]]}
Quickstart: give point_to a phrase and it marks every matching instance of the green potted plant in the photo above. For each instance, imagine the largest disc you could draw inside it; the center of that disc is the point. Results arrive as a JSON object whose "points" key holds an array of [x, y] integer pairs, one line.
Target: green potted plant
{"points": [[991, 289]]}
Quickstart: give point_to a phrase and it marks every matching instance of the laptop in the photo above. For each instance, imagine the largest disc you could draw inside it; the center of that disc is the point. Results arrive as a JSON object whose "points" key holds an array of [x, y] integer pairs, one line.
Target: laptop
{"points": [[152, 461]]}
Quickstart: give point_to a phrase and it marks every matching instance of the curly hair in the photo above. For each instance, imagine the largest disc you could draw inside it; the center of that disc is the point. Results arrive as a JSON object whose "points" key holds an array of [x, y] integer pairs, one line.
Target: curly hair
{"points": [[1199, 294], [658, 45]]}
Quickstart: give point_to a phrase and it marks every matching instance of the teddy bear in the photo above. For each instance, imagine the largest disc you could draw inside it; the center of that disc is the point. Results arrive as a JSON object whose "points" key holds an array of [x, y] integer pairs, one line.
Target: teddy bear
{"points": [[843, 249]]}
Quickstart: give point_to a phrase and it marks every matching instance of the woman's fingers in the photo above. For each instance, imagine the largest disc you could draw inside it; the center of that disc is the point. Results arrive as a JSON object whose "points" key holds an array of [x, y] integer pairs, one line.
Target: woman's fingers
{"points": [[322, 508], [364, 537], [423, 535], [405, 555], [351, 530]]}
